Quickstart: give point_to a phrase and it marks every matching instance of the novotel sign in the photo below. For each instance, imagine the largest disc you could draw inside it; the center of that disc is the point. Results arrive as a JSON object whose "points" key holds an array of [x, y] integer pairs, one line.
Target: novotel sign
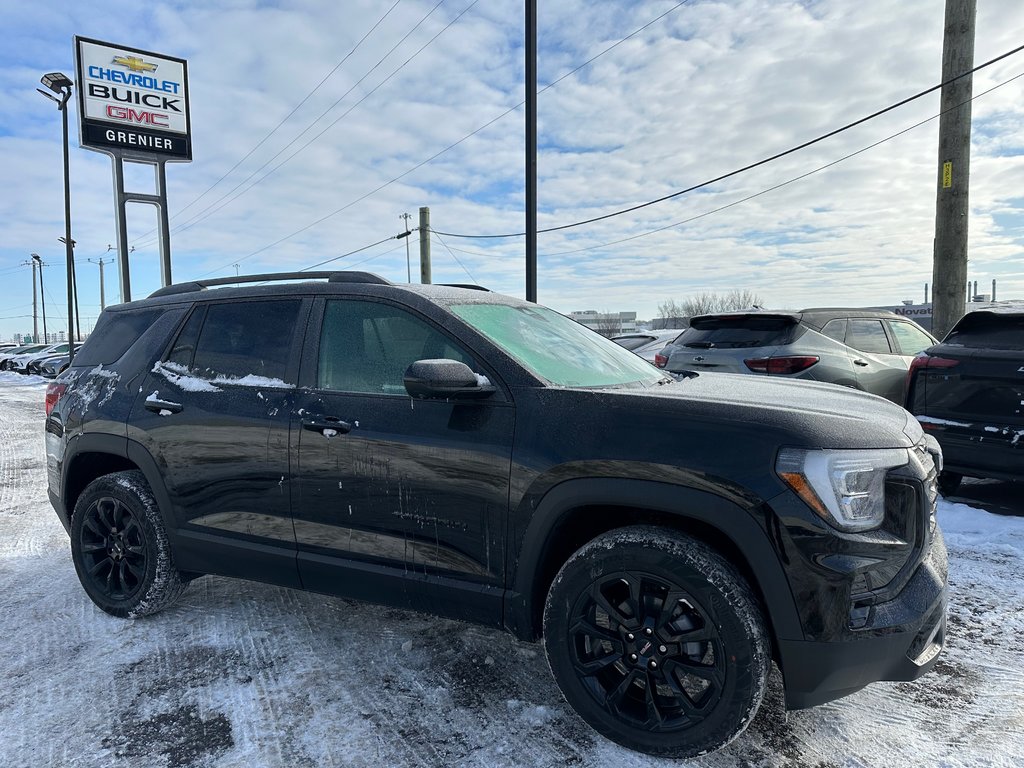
{"points": [[132, 102]]}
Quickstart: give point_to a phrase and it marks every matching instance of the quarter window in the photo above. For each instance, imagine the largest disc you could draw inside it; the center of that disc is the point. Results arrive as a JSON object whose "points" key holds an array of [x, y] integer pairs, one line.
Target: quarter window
{"points": [[835, 329]]}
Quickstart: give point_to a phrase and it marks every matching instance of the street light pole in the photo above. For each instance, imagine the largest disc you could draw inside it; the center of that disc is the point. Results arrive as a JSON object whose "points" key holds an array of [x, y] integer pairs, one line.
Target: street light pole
{"points": [[42, 295], [61, 84]]}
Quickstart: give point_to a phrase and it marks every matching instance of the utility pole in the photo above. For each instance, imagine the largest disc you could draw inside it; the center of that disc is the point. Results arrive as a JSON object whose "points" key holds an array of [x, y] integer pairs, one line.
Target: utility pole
{"points": [[952, 210], [531, 150], [408, 232], [236, 266], [425, 245], [101, 262], [35, 304], [42, 295]]}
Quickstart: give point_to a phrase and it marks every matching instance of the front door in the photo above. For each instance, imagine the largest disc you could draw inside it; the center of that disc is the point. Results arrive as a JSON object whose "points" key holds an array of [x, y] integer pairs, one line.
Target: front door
{"points": [[397, 500]]}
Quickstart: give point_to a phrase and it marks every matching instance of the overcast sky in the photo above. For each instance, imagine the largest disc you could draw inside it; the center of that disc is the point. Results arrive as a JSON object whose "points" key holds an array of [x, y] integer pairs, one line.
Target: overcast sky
{"points": [[708, 88]]}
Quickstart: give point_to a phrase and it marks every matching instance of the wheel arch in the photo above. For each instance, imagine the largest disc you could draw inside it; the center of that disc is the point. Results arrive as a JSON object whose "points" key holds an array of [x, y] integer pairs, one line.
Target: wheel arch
{"points": [[90, 456], [576, 511]]}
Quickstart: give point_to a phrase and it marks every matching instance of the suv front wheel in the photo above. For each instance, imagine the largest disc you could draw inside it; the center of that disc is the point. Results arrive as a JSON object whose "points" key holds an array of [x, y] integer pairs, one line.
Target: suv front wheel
{"points": [[657, 641], [120, 548]]}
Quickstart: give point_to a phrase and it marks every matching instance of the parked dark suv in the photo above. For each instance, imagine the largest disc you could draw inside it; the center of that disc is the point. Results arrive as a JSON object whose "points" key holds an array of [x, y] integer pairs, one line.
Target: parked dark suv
{"points": [[480, 457], [968, 392]]}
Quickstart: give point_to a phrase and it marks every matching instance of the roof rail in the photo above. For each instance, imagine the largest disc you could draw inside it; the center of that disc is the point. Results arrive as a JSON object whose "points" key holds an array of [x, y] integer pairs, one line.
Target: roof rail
{"points": [[333, 277], [468, 286]]}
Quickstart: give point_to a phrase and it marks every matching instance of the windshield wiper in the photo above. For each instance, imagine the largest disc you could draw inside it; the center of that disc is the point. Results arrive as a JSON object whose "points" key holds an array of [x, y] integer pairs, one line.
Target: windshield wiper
{"points": [[701, 344]]}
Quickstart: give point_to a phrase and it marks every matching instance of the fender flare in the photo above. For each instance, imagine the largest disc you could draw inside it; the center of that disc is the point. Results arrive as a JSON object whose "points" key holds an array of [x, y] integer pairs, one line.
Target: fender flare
{"points": [[116, 445], [740, 526]]}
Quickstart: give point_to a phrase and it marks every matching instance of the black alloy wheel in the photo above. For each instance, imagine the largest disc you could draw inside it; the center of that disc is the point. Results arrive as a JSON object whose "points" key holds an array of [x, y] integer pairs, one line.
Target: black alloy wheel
{"points": [[113, 545], [647, 650], [120, 547], [657, 641]]}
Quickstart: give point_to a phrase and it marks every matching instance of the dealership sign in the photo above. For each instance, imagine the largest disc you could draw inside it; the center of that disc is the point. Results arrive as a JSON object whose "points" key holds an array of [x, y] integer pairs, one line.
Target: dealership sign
{"points": [[132, 102]]}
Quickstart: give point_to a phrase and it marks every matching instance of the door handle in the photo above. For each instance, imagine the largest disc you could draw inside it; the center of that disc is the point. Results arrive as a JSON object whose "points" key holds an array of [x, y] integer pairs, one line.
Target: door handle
{"points": [[858, 361], [327, 424], [156, 405]]}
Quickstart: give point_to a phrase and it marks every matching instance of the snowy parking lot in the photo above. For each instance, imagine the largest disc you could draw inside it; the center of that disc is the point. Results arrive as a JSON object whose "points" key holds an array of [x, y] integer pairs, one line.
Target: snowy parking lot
{"points": [[243, 674]]}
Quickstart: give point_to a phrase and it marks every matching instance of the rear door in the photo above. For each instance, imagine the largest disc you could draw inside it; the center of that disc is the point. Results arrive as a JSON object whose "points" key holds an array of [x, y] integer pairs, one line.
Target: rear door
{"points": [[877, 363], [214, 414]]}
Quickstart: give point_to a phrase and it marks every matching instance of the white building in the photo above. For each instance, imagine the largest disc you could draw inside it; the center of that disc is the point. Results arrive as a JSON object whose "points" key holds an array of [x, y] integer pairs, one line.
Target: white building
{"points": [[606, 323]]}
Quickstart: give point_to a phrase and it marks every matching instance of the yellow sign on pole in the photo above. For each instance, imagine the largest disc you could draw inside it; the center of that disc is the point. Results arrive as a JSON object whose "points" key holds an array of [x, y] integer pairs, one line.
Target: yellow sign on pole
{"points": [[947, 175]]}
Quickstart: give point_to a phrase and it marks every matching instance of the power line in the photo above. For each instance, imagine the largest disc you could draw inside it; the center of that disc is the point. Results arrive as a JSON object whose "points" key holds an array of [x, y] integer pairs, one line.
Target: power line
{"points": [[751, 166], [471, 134], [781, 184], [457, 261], [350, 253], [287, 117], [230, 197]]}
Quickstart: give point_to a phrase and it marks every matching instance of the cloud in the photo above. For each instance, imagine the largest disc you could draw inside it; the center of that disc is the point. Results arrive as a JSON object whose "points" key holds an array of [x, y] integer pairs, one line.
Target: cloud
{"points": [[711, 87]]}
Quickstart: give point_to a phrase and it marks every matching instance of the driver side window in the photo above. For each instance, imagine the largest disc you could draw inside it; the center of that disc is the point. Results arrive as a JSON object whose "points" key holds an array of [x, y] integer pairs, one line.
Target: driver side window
{"points": [[365, 346]]}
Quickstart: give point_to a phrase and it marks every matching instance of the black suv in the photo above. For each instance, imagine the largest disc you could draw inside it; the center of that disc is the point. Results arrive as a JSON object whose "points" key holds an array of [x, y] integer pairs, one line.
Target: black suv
{"points": [[480, 457], [968, 392]]}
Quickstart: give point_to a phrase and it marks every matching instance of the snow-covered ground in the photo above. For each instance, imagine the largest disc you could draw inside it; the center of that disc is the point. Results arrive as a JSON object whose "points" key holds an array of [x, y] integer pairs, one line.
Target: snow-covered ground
{"points": [[241, 674]]}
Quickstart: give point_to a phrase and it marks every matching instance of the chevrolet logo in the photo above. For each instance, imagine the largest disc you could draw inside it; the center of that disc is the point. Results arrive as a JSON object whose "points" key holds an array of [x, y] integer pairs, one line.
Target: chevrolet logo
{"points": [[135, 64]]}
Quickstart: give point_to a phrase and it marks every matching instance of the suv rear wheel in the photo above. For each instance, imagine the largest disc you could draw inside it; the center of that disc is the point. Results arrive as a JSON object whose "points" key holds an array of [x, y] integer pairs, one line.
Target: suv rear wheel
{"points": [[120, 548], [657, 641]]}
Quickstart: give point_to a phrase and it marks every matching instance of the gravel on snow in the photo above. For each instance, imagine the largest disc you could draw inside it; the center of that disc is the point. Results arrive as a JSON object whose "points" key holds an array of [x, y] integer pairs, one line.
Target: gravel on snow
{"points": [[243, 674]]}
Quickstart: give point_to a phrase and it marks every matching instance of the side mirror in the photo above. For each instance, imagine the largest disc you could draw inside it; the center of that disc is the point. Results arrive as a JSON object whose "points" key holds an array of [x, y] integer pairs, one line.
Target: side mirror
{"points": [[444, 379]]}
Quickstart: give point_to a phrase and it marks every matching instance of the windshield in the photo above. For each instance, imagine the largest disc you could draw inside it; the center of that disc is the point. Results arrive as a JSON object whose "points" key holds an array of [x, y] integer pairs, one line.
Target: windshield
{"points": [[556, 348]]}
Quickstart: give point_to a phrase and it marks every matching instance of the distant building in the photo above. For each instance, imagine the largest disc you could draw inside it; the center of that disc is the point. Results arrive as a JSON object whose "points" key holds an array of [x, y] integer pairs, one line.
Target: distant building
{"points": [[606, 323], [922, 313]]}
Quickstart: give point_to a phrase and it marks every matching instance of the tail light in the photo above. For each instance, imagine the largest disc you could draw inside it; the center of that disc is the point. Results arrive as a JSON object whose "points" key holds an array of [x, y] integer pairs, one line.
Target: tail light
{"points": [[54, 392], [781, 365], [660, 360], [923, 361]]}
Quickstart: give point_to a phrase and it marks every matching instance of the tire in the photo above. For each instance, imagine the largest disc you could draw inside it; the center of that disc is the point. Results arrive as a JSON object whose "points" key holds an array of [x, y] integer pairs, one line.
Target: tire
{"points": [[120, 549], [657, 642]]}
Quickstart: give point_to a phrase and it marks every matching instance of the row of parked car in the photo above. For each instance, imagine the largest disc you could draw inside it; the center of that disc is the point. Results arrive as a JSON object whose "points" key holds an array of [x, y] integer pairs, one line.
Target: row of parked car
{"points": [[37, 359], [967, 391]]}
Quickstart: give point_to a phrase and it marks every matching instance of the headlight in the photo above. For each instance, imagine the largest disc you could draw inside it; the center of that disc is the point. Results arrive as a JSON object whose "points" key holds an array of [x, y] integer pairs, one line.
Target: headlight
{"points": [[847, 488]]}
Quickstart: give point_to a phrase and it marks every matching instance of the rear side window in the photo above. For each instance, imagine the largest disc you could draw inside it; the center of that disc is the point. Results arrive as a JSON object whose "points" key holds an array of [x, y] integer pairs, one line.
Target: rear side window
{"points": [[989, 330], [868, 336], [737, 332], [243, 338], [114, 334]]}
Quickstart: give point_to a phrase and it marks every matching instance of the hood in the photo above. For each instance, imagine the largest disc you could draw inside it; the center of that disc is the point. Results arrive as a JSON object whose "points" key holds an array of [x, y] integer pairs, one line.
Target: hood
{"points": [[801, 413]]}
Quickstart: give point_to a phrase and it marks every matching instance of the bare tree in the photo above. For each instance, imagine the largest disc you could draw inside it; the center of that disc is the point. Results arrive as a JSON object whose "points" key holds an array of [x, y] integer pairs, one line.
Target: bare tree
{"points": [[707, 303], [608, 324]]}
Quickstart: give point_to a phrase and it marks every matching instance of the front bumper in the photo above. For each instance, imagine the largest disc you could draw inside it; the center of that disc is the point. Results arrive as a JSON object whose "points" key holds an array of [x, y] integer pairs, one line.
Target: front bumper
{"points": [[902, 641]]}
